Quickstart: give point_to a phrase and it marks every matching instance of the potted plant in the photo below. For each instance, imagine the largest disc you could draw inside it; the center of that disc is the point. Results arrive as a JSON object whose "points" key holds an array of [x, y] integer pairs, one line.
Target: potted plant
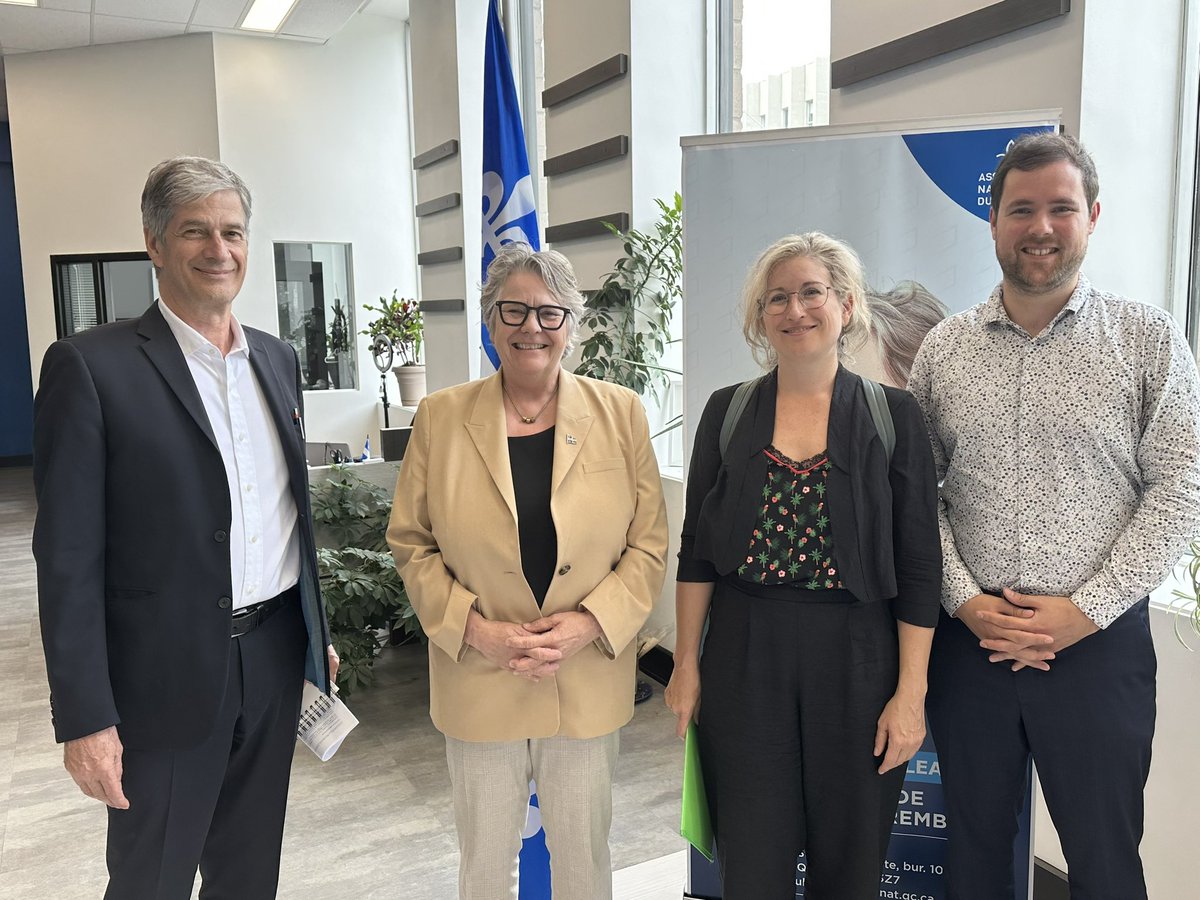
{"points": [[1186, 602], [629, 317], [338, 361], [364, 596], [399, 320]]}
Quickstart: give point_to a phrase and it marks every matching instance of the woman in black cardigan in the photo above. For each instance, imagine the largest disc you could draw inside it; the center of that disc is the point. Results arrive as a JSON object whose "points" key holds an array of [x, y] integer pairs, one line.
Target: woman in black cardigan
{"points": [[816, 561]]}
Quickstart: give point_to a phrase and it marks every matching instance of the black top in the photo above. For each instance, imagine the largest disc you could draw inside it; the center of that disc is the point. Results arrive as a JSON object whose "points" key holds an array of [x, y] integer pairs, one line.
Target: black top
{"points": [[883, 518], [532, 461], [791, 545]]}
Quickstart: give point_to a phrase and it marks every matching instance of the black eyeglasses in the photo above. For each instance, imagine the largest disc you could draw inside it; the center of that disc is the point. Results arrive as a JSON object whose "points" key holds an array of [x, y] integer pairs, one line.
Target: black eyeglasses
{"points": [[813, 295], [514, 312]]}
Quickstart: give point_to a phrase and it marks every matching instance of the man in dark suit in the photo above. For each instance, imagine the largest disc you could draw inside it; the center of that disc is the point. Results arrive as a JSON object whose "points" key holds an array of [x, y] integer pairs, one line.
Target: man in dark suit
{"points": [[177, 584]]}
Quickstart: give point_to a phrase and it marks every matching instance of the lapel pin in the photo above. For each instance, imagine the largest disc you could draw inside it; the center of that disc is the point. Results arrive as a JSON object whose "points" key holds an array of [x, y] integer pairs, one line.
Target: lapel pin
{"points": [[571, 439]]}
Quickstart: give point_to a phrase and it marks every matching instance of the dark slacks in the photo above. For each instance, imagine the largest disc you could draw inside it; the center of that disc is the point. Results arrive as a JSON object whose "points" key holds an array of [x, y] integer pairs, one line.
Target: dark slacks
{"points": [[790, 696], [218, 806], [1088, 723]]}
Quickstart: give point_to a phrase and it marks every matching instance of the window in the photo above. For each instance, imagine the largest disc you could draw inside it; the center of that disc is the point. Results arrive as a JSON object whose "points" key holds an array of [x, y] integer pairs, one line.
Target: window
{"points": [[91, 289], [315, 304], [775, 59], [1193, 280]]}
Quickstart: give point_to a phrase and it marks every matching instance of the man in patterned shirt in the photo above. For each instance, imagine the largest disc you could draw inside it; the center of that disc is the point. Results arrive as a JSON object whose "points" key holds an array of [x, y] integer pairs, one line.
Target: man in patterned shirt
{"points": [[1065, 422]]}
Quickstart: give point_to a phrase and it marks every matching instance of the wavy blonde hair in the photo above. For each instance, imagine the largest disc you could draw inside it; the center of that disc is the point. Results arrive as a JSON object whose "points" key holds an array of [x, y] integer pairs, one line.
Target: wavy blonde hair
{"points": [[845, 273]]}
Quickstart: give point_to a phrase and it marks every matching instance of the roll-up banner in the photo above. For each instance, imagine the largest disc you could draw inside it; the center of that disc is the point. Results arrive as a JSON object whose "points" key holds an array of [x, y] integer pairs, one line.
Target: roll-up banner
{"points": [[913, 200]]}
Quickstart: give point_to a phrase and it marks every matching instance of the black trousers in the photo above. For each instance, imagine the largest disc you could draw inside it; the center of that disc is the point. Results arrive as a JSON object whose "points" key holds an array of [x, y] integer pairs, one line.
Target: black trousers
{"points": [[1088, 723], [790, 696], [218, 806]]}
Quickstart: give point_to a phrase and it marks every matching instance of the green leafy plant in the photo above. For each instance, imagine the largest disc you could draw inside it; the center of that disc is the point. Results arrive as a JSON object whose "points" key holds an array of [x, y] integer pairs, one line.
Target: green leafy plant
{"points": [[339, 330], [364, 596], [400, 321], [629, 317], [1186, 604]]}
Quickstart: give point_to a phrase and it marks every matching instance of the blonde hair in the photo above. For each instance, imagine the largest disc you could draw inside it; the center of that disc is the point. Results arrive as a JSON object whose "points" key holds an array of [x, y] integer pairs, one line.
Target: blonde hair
{"points": [[845, 272]]}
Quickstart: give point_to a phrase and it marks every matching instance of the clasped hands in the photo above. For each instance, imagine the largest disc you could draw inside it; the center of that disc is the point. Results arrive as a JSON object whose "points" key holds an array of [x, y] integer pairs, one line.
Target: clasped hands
{"points": [[1025, 629], [536, 649]]}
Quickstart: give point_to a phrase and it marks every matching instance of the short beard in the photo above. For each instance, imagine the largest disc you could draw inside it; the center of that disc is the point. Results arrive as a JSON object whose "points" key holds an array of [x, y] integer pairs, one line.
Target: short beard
{"points": [[1063, 273]]}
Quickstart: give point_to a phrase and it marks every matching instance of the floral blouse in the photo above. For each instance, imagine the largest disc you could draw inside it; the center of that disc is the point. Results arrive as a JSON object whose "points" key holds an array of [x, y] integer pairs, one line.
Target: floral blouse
{"points": [[792, 543]]}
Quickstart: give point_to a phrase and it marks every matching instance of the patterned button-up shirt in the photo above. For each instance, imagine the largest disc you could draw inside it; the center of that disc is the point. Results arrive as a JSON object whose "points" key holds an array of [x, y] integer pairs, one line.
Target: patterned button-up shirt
{"points": [[1070, 460]]}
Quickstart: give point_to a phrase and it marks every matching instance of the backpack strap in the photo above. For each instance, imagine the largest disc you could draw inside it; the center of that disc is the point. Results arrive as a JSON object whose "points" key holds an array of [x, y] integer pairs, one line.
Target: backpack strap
{"points": [[881, 414], [733, 414]]}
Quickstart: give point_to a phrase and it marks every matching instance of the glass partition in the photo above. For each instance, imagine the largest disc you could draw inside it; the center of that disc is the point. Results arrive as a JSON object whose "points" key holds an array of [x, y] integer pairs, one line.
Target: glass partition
{"points": [[315, 304]]}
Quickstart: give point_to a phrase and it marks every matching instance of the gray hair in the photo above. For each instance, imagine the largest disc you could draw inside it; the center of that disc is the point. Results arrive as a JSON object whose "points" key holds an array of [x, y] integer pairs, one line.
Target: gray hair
{"points": [[845, 271], [549, 265], [182, 180], [900, 319]]}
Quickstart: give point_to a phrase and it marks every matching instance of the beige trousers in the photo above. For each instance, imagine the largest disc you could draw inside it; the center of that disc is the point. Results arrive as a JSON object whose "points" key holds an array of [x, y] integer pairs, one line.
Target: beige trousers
{"points": [[490, 786]]}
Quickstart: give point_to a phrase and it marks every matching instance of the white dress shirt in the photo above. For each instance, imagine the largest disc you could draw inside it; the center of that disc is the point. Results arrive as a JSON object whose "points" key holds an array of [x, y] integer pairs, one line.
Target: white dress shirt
{"points": [[1070, 459], [264, 545]]}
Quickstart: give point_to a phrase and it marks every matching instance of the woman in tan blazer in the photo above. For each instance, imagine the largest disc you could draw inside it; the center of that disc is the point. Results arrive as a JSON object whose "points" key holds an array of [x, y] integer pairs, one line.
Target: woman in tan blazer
{"points": [[530, 531]]}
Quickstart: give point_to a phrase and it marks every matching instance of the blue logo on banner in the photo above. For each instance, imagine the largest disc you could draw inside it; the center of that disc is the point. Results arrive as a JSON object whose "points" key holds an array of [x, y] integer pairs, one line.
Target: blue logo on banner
{"points": [[961, 163], [509, 210]]}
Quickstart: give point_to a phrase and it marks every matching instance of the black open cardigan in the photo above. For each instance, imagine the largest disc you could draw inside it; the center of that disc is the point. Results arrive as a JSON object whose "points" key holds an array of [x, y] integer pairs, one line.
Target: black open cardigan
{"points": [[883, 518]]}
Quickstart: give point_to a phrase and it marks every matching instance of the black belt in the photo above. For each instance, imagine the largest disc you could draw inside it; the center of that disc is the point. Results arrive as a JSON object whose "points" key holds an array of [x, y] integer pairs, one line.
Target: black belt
{"points": [[246, 619]]}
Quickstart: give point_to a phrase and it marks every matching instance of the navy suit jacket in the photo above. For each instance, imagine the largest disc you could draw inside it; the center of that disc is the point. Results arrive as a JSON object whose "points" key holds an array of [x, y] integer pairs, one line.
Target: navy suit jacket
{"points": [[131, 536]]}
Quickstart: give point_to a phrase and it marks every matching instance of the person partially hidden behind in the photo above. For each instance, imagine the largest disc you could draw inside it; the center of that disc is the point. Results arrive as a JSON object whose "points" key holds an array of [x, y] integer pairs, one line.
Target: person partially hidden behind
{"points": [[1065, 422], [176, 573]]}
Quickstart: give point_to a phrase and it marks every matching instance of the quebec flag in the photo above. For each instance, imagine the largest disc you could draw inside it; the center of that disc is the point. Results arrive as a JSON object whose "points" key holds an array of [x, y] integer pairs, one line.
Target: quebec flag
{"points": [[509, 210]]}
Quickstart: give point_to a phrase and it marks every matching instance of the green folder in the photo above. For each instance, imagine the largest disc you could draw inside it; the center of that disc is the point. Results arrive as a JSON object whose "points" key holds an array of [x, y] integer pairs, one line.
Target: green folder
{"points": [[694, 821]]}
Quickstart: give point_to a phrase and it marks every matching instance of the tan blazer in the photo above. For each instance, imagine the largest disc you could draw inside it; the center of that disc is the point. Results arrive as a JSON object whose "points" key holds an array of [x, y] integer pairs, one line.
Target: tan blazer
{"points": [[453, 532]]}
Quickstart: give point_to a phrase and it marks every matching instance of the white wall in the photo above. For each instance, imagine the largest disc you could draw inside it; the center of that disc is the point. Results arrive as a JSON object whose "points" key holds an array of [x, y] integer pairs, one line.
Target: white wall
{"points": [[579, 34], [87, 125], [1035, 68], [447, 103], [1127, 113], [1129, 121], [1125, 108], [667, 62], [320, 133], [661, 623], [1172, 792]]}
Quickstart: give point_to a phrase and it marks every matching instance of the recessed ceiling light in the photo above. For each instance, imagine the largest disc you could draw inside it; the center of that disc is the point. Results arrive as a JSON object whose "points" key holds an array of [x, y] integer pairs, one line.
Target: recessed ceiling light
{"points": [[21, 2], [267, 15]]}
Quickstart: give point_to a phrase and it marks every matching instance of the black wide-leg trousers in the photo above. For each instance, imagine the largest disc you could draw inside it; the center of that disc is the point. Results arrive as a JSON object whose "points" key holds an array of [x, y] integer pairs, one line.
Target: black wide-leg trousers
{"points": [[219, 806], [791, 692], [1088, 722]]}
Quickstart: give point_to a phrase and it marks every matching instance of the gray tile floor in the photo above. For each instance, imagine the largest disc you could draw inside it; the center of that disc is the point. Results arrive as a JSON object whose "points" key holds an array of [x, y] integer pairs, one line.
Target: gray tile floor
{"points": [[373, 823]]}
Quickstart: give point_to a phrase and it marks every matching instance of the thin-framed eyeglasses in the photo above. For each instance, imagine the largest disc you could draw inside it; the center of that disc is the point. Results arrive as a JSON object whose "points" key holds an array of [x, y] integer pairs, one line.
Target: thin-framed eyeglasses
{"points": [[514, 312], [813, 295]]}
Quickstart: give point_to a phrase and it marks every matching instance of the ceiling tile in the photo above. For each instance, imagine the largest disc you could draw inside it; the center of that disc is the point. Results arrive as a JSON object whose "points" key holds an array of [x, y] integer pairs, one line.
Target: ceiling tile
{"points": [[320, 19], [43, 29], [72, 5], [157, 10], [392, 9], [114, 30], [221, 13]]}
